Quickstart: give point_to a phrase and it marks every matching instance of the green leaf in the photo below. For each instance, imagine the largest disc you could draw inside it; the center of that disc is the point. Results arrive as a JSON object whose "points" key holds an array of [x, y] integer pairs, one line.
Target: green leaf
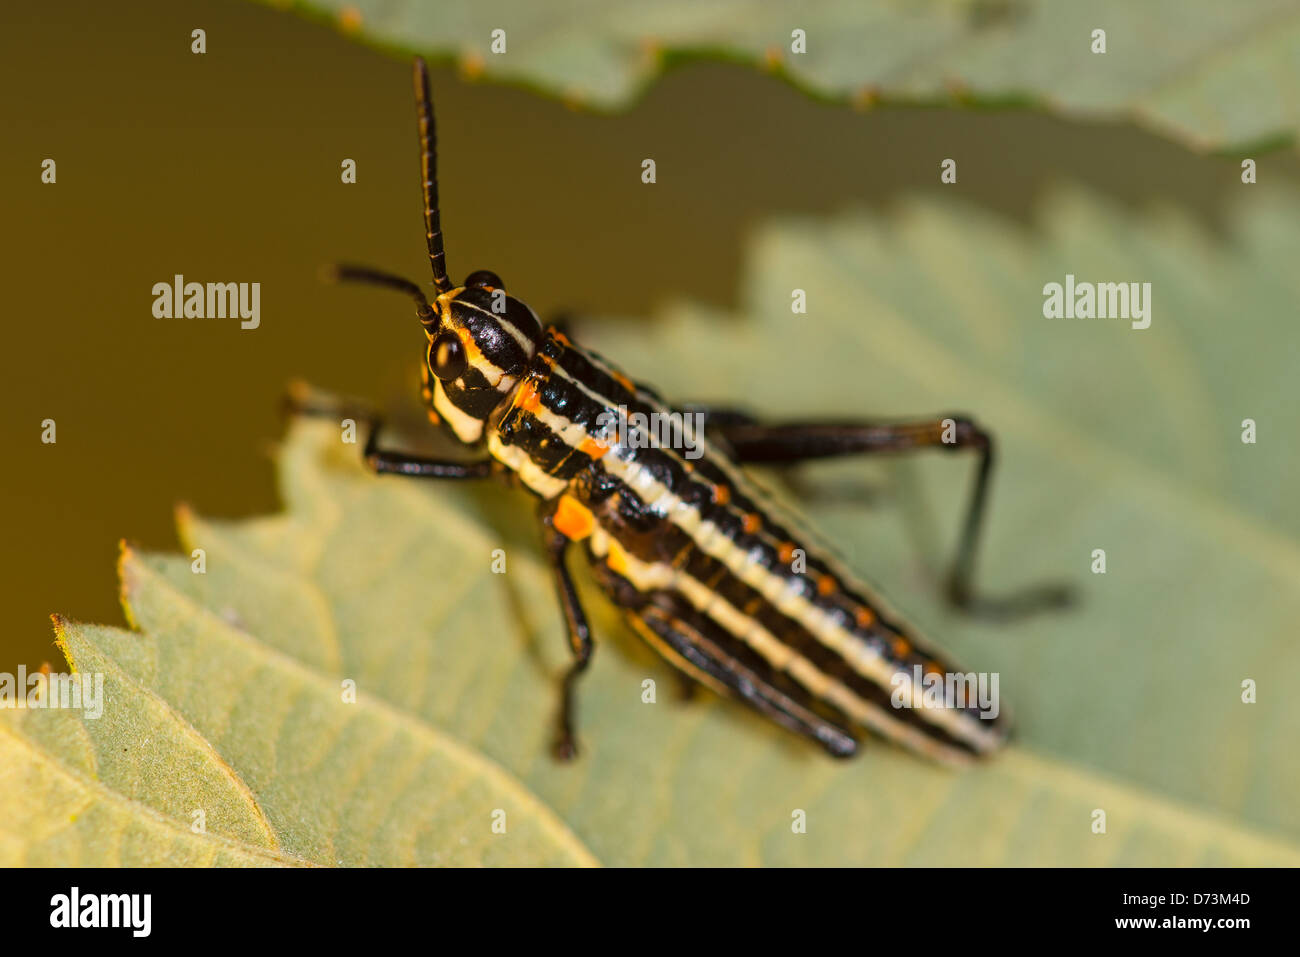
{"points": [[208, 719], [1215, 74], [1110, 437]]}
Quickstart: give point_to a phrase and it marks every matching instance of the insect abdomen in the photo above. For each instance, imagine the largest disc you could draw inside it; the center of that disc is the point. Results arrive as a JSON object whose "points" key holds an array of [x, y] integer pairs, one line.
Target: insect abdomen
{"points": [[694, 535], [781, 623]]}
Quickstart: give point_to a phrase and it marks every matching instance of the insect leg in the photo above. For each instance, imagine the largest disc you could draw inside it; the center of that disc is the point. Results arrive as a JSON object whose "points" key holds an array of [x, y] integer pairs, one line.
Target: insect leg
{"points": [[788, 443], [575, 623], [697, 646], [300, 400], [721, 419], [391, 461]]}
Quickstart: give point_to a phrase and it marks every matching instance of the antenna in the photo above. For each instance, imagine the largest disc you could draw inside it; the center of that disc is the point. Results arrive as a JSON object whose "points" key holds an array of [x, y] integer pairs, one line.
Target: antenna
{"points": [[429, 177], [346, 273]]}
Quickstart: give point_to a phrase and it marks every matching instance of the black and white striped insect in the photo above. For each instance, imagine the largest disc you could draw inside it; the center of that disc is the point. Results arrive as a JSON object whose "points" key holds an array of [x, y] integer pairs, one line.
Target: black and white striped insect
{"points": [[703, 565]]}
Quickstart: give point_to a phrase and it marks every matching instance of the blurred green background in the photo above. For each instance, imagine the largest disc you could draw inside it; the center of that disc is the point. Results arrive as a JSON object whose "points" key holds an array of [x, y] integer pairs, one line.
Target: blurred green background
{"points": [[225, 167]]}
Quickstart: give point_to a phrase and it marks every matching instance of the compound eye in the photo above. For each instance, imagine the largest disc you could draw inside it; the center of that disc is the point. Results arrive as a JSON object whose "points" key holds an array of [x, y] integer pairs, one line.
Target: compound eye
{"points": [[484, 278], [447, 356]]}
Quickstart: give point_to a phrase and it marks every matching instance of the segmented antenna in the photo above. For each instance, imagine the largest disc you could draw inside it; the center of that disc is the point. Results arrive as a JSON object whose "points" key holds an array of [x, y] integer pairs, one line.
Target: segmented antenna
{"points": [[429, 177], [347, 273]]}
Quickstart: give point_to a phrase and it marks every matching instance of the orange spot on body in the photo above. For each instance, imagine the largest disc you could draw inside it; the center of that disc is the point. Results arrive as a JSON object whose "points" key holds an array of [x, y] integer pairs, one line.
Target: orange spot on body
{"points": [[593, 448], [863, 617], [573, 518], [751, 523], [472, 352], [901, 648], [617, 558], [825, 585], [721, 495], [528, 399], [785, 552]]}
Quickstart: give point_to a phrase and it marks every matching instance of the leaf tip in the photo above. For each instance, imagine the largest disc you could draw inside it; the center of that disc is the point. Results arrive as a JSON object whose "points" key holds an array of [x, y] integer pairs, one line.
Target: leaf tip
{"points": [[126, 576], [350, 20], [865, 98], [470, 65], [62, 626], [124, 552], [652, 51], [185, 518]]}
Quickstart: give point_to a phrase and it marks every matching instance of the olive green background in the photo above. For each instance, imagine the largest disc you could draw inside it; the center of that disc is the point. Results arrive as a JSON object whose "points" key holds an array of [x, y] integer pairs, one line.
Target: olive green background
{"points": [[225, 167]]}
